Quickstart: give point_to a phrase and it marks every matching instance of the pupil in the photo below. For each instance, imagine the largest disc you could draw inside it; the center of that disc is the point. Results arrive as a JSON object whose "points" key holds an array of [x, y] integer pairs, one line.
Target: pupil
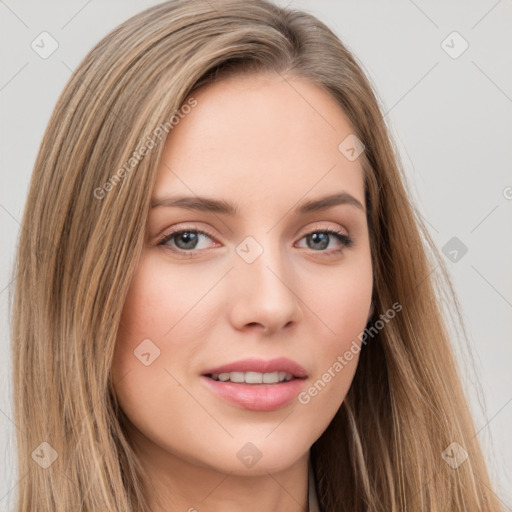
{"points": [[188, 238], [322, 238]]}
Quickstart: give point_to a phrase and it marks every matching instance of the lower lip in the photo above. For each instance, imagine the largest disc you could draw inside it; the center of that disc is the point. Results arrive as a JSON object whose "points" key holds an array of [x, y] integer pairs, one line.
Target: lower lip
{"points": [[256, 397]]}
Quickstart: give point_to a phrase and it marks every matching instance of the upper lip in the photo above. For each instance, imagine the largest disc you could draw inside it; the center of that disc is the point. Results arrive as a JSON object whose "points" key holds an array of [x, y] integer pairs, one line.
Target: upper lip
{"points": [[280, 364]]}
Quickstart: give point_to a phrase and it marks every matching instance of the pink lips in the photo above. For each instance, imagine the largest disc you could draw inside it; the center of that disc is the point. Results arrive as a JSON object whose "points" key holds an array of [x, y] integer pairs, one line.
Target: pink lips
{"points": [[258, 397]]}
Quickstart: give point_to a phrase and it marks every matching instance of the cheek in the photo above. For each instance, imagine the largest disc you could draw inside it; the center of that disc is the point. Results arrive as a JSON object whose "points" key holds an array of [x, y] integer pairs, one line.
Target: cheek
{"points": [[348, 301], [342, 299], [159, 300], [342, 305], [153, 312], [152, 337]]}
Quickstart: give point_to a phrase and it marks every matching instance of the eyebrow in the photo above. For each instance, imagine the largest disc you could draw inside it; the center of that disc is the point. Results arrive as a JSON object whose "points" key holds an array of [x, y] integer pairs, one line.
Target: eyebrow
{"points": [[206, 204]]}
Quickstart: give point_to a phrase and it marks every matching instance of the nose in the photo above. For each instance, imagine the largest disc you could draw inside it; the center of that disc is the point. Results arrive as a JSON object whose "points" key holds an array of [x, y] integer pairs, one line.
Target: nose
{"points": [[265, 294]]}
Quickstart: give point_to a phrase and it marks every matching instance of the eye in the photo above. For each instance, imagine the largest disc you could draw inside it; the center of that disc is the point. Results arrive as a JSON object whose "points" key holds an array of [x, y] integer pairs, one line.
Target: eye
{"points": [[319, 240], [185, 240], [192, 240]]}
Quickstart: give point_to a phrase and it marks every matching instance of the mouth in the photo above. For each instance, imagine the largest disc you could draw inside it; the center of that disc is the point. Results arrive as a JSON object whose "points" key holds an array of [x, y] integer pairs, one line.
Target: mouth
{"points": [[252, 377], [256, 384]]}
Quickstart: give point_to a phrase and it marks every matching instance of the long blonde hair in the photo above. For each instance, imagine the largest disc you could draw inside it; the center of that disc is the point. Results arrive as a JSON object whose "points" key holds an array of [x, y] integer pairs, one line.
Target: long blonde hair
{"points": [[83, 229]]}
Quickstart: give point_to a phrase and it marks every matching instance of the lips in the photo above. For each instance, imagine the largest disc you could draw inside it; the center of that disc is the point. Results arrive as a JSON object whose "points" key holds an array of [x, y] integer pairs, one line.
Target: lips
{"points": [[256, 396]]}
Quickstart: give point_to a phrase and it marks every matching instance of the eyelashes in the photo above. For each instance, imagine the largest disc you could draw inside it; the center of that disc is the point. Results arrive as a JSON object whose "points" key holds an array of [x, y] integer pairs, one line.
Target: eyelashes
{"points": [[194, 235], [171, 236]]}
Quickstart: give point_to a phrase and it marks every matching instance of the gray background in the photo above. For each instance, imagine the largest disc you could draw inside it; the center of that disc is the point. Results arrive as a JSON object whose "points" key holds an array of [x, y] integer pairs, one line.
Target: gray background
{"points": [[451, 118]]}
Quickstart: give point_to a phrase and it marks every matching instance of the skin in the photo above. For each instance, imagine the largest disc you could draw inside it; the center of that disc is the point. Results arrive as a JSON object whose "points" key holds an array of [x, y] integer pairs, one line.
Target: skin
{"points": [[267, 146]]}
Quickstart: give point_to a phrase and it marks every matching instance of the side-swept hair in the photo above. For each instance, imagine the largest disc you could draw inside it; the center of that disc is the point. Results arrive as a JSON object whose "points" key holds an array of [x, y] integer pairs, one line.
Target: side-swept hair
{"points": [[78, 253]]}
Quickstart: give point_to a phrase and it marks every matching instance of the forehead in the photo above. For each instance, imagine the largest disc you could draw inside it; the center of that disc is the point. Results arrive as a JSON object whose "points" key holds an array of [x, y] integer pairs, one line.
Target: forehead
{"points": [[260, 138]]}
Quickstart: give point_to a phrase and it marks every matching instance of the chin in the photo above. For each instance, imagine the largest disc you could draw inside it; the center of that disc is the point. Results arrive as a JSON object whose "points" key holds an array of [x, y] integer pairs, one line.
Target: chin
{"points": [[260, 455]]}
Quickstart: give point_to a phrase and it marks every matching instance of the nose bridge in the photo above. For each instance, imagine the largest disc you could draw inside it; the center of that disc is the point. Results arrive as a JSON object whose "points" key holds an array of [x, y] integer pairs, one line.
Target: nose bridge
{"points": [[265, 292]]}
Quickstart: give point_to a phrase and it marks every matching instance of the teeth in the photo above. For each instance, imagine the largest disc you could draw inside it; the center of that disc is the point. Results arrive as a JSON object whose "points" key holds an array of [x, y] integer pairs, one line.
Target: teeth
{"points": [[253, 377], [269, 378], [236, 377]]}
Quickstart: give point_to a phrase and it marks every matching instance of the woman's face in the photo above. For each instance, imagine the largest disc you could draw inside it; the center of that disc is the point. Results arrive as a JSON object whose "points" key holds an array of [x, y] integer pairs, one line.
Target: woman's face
{"points": [[265, 282]]}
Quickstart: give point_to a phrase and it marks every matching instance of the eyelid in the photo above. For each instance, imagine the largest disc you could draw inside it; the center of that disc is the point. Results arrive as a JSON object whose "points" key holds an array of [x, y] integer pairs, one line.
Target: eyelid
{"points": [[168, 234], [321, 226]]}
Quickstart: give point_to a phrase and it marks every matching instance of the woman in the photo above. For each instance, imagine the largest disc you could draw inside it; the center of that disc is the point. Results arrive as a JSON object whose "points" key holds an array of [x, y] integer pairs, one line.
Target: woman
{"points": [[296, 358]]}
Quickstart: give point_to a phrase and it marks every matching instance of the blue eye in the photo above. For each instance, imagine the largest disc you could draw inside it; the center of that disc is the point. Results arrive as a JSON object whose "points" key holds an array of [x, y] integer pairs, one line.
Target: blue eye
{"points": [[184, 240], [188, 240], [322, 238]]}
